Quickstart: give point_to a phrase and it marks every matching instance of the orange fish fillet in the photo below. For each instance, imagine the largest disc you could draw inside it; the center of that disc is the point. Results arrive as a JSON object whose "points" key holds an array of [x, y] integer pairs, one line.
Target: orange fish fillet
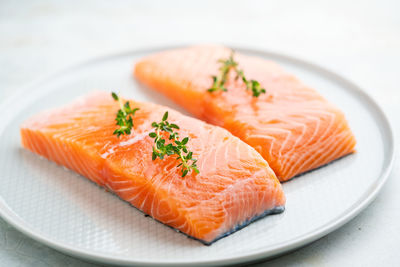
{"points": [[234, 187], [293, 127]]}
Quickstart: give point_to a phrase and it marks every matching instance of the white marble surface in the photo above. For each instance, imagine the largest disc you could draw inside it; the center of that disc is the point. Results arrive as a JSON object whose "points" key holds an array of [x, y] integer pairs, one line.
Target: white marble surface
{"points": [[358, 39]]}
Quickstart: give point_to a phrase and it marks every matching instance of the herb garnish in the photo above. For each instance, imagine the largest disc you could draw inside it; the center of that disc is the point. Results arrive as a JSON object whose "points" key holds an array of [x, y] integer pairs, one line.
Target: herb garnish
{"points": [[124, 116], [227, 65], [177, 147], [219, 81]]}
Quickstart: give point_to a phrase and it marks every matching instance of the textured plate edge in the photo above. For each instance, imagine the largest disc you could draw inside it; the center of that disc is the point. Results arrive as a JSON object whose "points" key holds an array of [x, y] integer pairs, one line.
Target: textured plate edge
{"points": [[13, 219]]}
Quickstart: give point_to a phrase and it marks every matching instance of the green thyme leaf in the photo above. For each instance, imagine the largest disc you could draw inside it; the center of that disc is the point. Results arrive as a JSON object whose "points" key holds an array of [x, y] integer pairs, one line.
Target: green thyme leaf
{"points": [[115, 96], [165, 117], [185, 140]]}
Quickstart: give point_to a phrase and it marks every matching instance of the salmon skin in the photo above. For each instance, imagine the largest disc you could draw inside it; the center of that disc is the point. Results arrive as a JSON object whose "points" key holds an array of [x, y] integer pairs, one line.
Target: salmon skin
{"points": [[293, 127], [234, 187]]}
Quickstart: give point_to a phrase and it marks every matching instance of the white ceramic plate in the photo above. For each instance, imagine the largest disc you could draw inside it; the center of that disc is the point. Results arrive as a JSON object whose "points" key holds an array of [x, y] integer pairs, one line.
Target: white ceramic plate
{"points": [[71, 214]]}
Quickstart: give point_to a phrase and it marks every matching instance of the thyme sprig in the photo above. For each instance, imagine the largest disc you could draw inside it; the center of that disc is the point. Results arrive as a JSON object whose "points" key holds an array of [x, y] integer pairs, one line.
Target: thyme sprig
{"points": [[124, 116], [175, 147], [220, 80]]}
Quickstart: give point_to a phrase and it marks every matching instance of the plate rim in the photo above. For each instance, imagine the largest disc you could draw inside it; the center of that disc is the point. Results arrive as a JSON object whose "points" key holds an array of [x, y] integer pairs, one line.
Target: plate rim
{"points": [[13, 219]]}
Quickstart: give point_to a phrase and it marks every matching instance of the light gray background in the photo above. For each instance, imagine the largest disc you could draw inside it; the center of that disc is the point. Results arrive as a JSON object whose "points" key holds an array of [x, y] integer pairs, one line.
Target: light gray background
{"points": [[358, 39]]}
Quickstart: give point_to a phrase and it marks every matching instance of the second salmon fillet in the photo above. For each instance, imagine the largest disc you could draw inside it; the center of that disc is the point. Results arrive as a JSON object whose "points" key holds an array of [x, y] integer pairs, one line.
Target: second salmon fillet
{"points": [[293, 127]]}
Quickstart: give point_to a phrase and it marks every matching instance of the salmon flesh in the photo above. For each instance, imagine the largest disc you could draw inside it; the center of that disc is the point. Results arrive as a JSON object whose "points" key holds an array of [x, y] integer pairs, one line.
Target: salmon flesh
{"points": [[235, 185], [292, 126]]}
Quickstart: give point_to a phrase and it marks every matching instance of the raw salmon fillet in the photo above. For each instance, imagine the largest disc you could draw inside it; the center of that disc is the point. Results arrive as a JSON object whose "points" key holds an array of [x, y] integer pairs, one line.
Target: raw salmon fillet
{"points": [[293, 127], [234, 187]]}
